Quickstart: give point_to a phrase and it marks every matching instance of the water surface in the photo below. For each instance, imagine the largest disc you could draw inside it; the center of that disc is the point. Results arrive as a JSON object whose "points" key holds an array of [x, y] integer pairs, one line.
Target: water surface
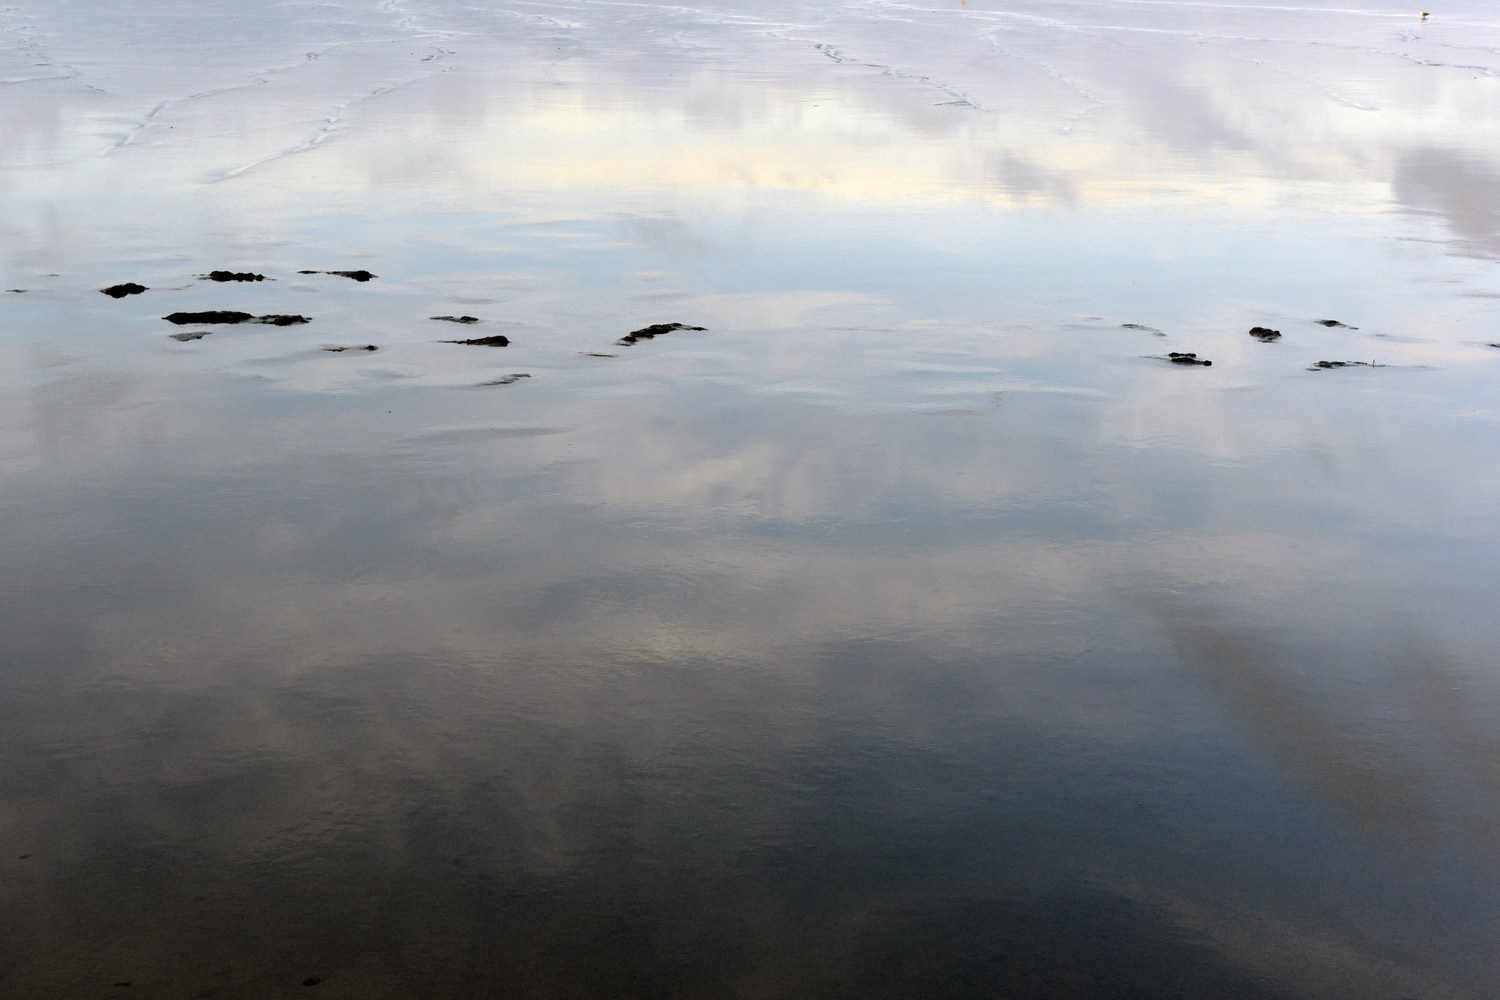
{"points": [[915, 629]]}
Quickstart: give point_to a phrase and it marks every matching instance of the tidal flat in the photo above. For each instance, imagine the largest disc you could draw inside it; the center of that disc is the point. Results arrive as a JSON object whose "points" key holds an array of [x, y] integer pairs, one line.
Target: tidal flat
{"points": [[968, 500]]}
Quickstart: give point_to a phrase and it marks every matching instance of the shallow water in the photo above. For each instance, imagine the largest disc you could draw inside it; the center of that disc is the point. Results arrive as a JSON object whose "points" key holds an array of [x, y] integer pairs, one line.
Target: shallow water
{"points": [[916, 629]]}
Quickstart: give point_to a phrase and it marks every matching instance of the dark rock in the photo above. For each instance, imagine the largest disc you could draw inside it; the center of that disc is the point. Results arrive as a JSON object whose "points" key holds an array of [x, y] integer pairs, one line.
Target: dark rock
{"points": [[1138, 326], [506, 379], [1186, 358], [1334, 322], [232, 276], [1264, 334], [654, 330], [596, 354], [499, 340], [356, 275], [212, 316], [120, 291], [195, 335], [311, 981], [1323, 365], [229, 316], [18, 291], [458, 319], [365, 347]]}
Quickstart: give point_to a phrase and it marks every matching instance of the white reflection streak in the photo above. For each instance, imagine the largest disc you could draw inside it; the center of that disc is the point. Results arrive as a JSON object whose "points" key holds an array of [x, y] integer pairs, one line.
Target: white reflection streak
{"points": [[1209, 36], [1095, 101], [260, 79], [330, 124], [1309, 80]]}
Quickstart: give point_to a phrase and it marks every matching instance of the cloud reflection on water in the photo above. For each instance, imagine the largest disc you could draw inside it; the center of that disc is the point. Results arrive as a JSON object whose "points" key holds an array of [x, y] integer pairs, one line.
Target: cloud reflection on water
{"points": [[688, 673], [905, 632]]}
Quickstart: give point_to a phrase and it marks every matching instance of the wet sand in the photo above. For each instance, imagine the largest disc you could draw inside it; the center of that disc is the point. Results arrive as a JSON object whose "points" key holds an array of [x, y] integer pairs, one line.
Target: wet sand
{"points": [[730, 502]]}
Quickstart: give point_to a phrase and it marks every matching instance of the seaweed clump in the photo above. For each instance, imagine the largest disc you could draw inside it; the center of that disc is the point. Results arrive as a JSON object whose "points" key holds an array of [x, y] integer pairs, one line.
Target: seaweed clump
{"points": [[232, 316], [356, 275], [499, 340], [1325, 365], [654, 330]]}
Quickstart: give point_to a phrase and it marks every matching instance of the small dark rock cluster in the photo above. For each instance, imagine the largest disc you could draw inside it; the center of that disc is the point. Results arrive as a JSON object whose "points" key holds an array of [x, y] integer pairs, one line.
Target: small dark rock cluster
{"points": [[224, 316], [1265, 335], [212, 317]]}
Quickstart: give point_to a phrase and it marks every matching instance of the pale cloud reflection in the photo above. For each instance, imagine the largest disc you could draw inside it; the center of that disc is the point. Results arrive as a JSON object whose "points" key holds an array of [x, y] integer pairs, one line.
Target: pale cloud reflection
{"points": [[1185, 118]]}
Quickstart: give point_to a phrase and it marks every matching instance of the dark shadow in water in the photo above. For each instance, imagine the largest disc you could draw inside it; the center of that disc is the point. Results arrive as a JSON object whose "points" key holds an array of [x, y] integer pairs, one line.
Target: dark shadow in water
{"points": [[1394, 740], [1461, 189]]}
